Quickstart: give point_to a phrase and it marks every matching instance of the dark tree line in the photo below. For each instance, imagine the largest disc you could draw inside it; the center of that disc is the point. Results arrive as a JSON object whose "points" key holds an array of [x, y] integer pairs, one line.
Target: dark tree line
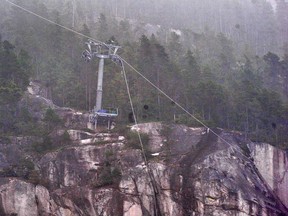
{"points": [[206, 72], [14, 79]]}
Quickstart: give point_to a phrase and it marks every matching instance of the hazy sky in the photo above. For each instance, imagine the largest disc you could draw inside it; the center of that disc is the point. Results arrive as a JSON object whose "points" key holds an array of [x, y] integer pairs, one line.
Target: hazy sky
{"points": [[273, 3]]}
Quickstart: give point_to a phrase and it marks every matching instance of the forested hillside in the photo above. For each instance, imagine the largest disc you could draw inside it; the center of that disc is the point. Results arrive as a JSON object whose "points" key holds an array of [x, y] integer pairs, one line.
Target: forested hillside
{"points": [[225, 61]]}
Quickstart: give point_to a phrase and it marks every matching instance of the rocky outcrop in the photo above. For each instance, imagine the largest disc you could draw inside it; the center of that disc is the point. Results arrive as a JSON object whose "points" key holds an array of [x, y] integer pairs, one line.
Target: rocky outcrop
{"points": [[186, 171], [194, 173], [25, 199], [204, 177], [36, 102], [272, 163]]}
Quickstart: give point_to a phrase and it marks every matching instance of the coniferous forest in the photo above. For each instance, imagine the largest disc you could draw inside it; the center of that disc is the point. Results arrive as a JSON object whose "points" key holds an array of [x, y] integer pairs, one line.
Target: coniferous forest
{"points": [[225, 61]]}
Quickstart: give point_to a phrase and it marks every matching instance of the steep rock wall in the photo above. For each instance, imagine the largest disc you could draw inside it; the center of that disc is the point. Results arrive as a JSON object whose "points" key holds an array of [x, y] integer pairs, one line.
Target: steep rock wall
{"points": [[25, 199], [190, 171], [272, 163]]}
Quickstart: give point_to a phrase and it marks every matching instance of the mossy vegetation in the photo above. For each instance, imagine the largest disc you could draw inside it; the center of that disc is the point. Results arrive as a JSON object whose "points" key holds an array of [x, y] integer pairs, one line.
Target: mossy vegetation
{"points": [[24, 169], [4, 139], [110, 173], [52, 119], [43, 146], [132, 137], [133, 140]]}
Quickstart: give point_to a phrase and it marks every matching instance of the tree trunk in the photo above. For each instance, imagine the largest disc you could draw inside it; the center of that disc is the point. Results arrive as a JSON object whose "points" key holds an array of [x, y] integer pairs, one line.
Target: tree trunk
{"points": [[158, 96], [247, 123]]}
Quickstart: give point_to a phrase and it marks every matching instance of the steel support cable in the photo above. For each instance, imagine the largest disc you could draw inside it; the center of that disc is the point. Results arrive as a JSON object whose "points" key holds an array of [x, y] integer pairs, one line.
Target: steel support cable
{"points": [[143, 151], [191, 115], [183, 109], [133, 113], [176, 103], [52, 22], [128, 91], [123, 60], [149, 172]]}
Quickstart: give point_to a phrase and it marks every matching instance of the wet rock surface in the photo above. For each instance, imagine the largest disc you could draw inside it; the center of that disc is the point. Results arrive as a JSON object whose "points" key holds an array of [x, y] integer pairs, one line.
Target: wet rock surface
{"points": [[190, 171], [272, 164]]}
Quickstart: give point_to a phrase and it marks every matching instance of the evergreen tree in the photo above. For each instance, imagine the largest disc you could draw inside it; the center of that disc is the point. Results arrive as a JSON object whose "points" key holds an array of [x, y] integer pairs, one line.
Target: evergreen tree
{"points": [[284, 73], [209, 99], [225, 57], [191, 69], [272, 70], [14, 71], [175, 48], [102, 28], [14, 78]]}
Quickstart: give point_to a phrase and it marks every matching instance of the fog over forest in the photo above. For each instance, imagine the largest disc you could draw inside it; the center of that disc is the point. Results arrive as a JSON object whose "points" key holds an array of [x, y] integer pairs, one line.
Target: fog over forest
{"points": [[143, 107], [253, 22], [223, 60]]}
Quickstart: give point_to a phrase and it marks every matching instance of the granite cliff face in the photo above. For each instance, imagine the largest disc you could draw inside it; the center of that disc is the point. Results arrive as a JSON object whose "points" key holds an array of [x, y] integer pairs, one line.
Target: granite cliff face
{"points": [[190, 171], [272, 163]]}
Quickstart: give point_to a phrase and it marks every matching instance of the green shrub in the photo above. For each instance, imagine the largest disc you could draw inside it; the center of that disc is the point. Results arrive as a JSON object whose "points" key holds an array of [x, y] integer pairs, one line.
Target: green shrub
{"points": [[134, 142], [52, 119], [44, 146], [27, 164], [109, 175], [34, 177], [109, 154], [65, 138], [121, 129], [4, 139], [8, 172]]}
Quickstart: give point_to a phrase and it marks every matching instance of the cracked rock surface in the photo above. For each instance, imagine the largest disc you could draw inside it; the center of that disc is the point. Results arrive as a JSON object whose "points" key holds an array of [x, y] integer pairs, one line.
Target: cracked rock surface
{"points": [[190, 171]]}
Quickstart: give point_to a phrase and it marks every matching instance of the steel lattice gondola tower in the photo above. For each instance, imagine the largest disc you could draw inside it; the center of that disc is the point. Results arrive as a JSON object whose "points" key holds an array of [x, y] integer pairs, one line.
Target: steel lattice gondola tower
{"points": [[102, 51]]}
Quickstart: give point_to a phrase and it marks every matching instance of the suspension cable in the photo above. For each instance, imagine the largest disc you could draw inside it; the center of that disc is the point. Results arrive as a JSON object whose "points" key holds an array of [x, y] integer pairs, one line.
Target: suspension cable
{"points": [[52, 22], [176, 103], [149, 172], [134, 114], [140, 74], [123, 60]]}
